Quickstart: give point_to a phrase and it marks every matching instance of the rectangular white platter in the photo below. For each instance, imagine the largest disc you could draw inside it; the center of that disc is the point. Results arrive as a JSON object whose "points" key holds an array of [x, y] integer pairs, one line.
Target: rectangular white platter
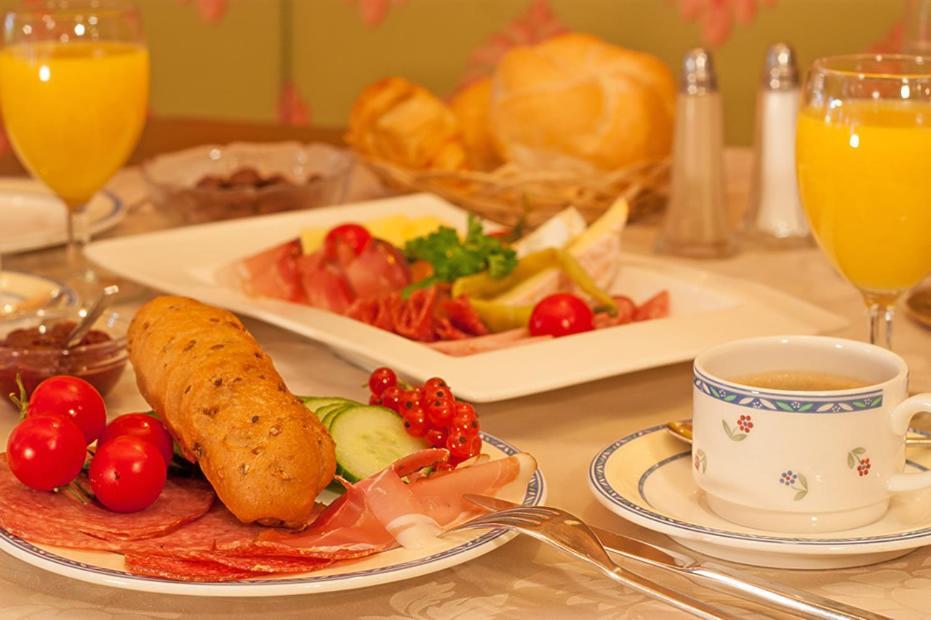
{"points": [[706, 308]]}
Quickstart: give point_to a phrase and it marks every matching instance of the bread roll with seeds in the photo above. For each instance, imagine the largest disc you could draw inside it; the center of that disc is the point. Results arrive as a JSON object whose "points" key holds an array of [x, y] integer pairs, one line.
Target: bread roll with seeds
{"points": [[265, 454]]}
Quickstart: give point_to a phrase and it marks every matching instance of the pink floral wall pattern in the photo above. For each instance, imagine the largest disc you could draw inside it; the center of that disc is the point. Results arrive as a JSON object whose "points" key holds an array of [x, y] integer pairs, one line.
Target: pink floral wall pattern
{"points": [[537, 23], [292, 109], [209, 11], [717, 18], [374, 12]]}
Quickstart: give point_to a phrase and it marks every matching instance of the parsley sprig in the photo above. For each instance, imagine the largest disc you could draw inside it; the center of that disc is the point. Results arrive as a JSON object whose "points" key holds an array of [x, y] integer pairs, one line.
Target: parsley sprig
{"points": [[453, 258]]}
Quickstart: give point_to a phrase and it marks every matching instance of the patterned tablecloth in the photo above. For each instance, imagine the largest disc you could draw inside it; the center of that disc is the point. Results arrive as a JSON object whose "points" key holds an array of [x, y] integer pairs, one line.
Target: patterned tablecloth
{"points": [[563, 429]]}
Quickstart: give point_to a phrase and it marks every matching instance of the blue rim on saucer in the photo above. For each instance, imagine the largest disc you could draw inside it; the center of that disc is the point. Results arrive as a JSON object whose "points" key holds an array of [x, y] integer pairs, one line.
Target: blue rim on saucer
{"points": [[641, 511]]}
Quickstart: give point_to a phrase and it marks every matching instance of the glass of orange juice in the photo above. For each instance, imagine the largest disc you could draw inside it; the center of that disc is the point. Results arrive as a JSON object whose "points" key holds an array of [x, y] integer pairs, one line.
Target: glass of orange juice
{"points": [[863, 157], [74, 87]]}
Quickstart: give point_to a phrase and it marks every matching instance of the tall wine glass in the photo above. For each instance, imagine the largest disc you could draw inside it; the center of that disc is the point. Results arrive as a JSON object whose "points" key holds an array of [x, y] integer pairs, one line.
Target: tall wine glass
{"points": [[863, 154], [74, 86]]}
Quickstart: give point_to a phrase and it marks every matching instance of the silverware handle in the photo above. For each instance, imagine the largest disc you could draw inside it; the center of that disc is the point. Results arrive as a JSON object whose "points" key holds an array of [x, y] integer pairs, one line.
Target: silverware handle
{"points": [[654, 590], [802, 603]]}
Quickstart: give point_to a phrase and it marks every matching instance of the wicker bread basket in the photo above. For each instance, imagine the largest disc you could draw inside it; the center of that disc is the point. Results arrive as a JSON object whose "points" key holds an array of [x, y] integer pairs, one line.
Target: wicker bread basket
{"points": [[509, 194]]}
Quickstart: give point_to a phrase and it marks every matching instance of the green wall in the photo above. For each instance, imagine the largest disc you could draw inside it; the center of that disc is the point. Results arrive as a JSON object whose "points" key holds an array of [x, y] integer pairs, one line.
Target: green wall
{"points": [[234, 67]]}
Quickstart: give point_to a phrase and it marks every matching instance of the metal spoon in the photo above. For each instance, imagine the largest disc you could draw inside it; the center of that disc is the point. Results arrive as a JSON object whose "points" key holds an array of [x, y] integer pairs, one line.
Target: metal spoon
{"points": [[100, 304], [682, 430]]}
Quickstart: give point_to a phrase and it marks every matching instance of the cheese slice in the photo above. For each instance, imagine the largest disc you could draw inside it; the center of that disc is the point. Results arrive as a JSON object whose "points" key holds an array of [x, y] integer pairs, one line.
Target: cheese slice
{"points": [[556, 232], [395, 229], [597, 250]]}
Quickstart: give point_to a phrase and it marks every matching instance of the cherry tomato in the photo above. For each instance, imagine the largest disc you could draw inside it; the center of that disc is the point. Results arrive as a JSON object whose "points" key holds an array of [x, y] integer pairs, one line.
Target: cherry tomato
{"points": [[391, 398], [415, 422], [46, 451], [436, 437], [353, 235], [560, 314], [463, 446], [127, 474], [73, 397], [143, 426], [381, 379], [439, 413]]}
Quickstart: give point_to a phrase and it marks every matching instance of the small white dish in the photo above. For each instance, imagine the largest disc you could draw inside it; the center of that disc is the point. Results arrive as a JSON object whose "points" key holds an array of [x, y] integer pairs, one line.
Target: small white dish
{"points": [[706, 308], [18, 288], [106, 569], [646, 478], [32, 218]]}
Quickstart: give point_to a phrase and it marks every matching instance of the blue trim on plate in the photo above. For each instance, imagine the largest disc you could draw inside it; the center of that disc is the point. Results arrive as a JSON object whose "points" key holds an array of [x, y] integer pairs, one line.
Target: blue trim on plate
{"points": [[596, 475], [533, 495]]}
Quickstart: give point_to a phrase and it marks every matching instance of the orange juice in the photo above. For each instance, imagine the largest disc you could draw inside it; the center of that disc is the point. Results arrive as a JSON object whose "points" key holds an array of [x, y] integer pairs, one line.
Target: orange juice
{"points": [[864, 174], [74, 111]]}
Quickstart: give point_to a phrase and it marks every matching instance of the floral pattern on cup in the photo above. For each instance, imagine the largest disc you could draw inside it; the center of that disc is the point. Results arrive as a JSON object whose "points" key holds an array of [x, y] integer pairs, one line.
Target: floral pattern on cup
{"points": [[741, 430], [700, 461], [855, 459], [795, 481]]}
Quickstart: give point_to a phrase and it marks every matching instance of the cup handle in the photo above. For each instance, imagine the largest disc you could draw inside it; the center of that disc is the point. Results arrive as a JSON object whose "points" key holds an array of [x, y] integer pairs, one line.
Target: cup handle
{"points": [[899, 419]]}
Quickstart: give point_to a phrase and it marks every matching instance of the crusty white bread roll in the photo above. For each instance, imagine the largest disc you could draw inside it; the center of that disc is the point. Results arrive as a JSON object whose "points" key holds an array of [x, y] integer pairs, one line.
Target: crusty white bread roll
{"points": [[577, 101], [471, 107], [400, 122]]}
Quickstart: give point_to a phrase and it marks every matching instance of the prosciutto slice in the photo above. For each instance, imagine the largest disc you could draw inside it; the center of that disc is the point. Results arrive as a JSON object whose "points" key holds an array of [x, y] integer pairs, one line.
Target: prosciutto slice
{"points": [[381, 511]]}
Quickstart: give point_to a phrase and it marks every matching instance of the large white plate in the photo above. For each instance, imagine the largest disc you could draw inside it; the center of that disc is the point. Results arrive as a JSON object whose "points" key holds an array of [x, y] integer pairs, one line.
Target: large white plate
{"points": [[104, 568], [31, 217], [646, 478], [706, 308]]}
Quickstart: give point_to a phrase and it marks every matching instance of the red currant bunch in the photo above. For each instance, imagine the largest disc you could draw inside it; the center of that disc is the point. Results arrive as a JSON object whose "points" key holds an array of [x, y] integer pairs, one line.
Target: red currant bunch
{"points": [[430, 411]]}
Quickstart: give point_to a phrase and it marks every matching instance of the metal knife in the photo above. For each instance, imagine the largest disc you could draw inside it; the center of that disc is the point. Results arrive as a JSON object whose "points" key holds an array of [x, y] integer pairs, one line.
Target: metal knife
{"points": [[752, 588]]}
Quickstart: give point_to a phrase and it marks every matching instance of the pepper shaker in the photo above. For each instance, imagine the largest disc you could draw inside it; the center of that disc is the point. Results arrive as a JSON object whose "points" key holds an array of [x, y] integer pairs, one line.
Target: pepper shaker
{"points": [[774, 215], [696, 222]]}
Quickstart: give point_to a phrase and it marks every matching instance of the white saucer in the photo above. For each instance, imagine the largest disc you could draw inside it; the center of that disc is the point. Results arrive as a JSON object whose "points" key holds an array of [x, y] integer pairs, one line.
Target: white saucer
{"points": [[16, 288], [646, 478], [31, 217]]}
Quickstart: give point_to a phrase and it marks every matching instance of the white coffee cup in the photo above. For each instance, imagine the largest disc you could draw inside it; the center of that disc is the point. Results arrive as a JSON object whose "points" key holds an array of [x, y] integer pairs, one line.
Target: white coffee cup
{"points": [[802, 461]]}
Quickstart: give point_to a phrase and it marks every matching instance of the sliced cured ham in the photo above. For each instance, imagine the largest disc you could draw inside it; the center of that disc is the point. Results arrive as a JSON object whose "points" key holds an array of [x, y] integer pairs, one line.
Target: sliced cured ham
{"points": [[378, 270], [329, 281], [181, 501], [482, 344], [427, 315], [272, 273]]}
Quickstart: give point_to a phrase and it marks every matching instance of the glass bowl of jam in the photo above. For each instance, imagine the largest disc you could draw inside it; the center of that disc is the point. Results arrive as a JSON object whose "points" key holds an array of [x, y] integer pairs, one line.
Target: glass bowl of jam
{"points": [[35, 348]]}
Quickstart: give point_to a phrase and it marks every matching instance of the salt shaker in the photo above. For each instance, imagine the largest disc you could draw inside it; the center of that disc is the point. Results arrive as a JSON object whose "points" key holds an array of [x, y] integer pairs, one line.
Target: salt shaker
{"points": [[696, 222], [774, 215]]}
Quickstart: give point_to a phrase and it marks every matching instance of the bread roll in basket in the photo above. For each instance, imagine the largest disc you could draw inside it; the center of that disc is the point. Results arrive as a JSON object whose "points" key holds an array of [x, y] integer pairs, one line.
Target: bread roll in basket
{"points": [[571, 120]]}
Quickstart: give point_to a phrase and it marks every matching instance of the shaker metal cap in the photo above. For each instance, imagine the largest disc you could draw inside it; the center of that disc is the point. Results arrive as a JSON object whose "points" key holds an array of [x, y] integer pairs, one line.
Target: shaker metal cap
{"points": [[780, 71], [698, 76]]}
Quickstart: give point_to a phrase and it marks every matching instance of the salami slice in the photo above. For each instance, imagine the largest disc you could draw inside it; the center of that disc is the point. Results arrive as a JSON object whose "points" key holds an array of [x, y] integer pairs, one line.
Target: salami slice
{"points": [[182, 570], [55, 514], [204, 539]]}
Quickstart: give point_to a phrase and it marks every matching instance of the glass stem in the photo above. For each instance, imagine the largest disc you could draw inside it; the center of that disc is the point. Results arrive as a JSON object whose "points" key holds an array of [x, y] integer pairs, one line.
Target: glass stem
{"points": [[881, 316], [78, 236]]}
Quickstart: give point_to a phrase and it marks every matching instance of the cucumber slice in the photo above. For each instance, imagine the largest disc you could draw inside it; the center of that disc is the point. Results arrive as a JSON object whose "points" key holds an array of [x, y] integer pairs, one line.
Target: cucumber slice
{"points": [[369, 439], [333, 411], [316, 402]]}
